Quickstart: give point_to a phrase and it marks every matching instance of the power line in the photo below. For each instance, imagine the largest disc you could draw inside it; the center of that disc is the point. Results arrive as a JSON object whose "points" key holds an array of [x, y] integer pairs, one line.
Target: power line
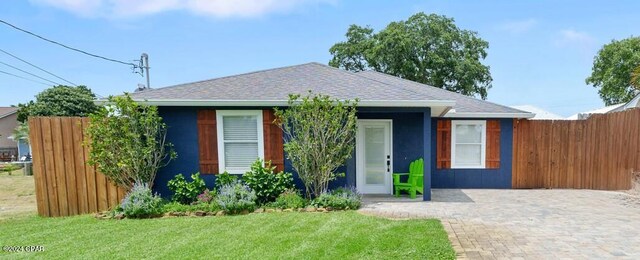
{"points": [[11, 74], [16, 68], [68, 47], [45, 71]]}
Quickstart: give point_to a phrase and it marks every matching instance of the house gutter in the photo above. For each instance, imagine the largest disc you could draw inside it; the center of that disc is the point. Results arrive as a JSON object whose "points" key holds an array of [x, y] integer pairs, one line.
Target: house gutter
{"points": [[284, 103], [453, 114]]}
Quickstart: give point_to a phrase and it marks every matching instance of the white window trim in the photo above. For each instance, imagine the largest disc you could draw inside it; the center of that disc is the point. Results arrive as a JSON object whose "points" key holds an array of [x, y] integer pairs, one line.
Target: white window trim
{"points": [[483, 151], [220, 135]]}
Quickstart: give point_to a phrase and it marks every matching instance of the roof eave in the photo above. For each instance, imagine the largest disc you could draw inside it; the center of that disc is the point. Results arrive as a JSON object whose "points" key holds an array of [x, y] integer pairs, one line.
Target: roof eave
{"points": [[282, 103], [454, 114]]}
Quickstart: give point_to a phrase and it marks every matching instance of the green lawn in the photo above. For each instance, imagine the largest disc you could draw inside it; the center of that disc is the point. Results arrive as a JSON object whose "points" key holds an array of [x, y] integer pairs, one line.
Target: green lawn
{"points": [[270, 235]]}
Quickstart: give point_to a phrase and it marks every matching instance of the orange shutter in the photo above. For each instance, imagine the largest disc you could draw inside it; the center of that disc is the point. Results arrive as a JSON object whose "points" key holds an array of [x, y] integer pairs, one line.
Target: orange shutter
{"points": [[492, 160], [273, 142], [208, 141], [443, 144]]}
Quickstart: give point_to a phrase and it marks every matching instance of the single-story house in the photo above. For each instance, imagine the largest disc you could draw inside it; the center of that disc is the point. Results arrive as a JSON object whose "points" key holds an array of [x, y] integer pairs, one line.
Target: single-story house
{"points": [[224, 124], [8, 122], [633, 103], [602, 110]]}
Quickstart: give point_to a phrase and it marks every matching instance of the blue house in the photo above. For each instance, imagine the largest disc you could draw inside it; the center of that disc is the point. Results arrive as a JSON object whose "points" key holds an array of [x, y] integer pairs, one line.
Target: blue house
{"points": [[224, 124]]}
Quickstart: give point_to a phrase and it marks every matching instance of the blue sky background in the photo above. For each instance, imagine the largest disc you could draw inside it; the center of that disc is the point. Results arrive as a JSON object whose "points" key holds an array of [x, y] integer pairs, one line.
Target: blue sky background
{"points": [[540, 51]]}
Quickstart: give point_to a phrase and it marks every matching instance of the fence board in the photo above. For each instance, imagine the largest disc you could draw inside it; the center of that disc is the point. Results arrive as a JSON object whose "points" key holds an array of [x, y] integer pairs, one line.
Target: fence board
{"points": [[601, 152], [65, 183]]}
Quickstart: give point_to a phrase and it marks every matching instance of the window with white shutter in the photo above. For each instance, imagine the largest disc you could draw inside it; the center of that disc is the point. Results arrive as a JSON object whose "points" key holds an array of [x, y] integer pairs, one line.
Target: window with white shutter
{"points": [[240, 139]]}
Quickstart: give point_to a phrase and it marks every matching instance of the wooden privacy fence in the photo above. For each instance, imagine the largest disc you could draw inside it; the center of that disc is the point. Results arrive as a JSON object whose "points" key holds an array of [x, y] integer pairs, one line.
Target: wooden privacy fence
{"points": [[65, 184], [600, 152]]}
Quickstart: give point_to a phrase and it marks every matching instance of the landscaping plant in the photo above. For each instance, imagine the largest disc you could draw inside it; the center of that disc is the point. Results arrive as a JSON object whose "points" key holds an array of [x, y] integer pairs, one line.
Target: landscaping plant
{"points": [[236, 198], [140, 202], [128, 142], [225, 179], [290, 199], [186, 192], [267, 184], [319, 135], [341, 198]]}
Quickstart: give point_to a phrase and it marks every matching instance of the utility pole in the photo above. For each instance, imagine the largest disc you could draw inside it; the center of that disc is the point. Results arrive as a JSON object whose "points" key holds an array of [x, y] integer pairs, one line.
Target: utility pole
{"points": [[144, 59]]}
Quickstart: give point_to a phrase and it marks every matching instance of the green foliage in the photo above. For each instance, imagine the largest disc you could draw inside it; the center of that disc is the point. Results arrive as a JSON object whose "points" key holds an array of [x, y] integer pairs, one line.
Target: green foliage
{"points": [[340, 198], [613, 69], [320, 136], [290, 199], [140, 202], [59, 101], [429, 49], [224, 179], [186, 192], [267, 184], [236, 198], [178, 207], [21, 132], [128, 141]]}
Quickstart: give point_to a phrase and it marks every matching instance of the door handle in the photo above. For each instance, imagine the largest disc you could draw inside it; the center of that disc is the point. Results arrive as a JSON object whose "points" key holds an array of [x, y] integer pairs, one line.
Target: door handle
{"points": [[388, 163]]}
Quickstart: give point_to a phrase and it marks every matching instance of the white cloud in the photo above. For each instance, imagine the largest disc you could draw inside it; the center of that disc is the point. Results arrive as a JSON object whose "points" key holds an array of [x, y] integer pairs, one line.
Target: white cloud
{"points": [[213, 8], [519, 26], [575, 37]]}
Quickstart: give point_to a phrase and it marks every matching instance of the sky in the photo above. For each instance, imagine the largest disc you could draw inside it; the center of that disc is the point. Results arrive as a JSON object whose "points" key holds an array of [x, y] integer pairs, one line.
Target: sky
{"points": [[540, 52]]}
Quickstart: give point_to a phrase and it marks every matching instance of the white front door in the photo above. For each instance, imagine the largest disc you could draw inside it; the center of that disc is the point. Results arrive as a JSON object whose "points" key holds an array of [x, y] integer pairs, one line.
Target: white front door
{"points": [[373, 157]]}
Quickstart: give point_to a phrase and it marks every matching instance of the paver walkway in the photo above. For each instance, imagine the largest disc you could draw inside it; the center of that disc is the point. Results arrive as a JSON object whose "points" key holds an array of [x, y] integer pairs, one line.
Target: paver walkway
{"points": [[527, 224]]}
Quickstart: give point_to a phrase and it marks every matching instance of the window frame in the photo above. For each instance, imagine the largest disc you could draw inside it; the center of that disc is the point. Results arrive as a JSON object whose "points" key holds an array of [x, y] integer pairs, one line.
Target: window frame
{"points": [[483, 144], [220, 114]]}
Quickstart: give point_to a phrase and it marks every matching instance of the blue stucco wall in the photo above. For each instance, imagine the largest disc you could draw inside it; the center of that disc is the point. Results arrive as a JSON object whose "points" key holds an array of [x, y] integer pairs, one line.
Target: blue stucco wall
{"points": [[477, 178]]}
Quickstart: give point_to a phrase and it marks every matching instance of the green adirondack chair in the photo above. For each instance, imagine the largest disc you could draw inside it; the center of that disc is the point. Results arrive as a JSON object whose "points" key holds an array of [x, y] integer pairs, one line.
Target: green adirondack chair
{"points": [[414, 181]]}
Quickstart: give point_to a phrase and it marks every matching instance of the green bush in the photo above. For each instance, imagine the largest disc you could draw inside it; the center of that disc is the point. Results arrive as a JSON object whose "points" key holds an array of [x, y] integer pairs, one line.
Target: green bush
{"points": [[140, 202], [176, 207], [186, 192], [340, 198], [236, 198], [290, 199], [225, 179], [267, 184]]}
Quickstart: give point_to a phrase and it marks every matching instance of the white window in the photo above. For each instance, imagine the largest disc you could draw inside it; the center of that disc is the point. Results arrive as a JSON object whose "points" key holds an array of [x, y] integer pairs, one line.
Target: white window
{"points": [[240, 139], [468, 143]]}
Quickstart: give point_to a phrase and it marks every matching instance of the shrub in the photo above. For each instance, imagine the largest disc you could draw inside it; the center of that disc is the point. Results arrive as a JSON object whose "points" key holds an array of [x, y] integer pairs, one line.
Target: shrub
{"points": [[267, 184], [224, 179], [290, 199], [176, 207], [319, 135], [340, 198], [236, 197], [205, 197], [128, 141], [140, 202], [185, 191]]}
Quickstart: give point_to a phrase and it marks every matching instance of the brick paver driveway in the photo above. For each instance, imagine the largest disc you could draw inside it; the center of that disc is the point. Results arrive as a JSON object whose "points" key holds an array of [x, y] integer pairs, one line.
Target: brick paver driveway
{"points": [[528, 224]]}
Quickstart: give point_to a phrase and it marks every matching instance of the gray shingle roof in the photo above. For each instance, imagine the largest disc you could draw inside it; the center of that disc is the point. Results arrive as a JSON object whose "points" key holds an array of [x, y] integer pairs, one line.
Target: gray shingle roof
{"points": [[465, 104], [276, 84]]}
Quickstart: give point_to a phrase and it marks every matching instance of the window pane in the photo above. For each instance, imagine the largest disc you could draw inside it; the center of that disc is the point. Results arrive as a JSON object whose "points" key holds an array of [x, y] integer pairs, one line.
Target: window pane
{"points": [[240, 128], [468, 134], [468, 155], [240, 154], [375, 160]]}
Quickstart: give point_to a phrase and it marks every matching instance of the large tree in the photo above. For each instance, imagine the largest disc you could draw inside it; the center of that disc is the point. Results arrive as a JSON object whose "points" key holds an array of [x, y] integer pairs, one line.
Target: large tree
{"points": [[59, 101], [429, 49], [613, 71]]}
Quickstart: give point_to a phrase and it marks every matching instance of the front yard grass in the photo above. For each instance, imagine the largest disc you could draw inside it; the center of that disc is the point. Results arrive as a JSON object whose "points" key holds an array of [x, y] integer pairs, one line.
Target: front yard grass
{"points": [[269, 235]]}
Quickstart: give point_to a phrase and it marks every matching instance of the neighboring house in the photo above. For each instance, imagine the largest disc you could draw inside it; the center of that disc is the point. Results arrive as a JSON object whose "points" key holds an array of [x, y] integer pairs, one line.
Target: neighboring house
{"points": [[224, 124], [8, 122], [586, 114], [633, 103], [540, 114]]}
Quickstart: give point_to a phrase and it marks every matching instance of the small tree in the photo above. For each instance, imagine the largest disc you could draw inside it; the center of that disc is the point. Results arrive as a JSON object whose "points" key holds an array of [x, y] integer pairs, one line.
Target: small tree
{"points": [[319, 137], [128, 142]]}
